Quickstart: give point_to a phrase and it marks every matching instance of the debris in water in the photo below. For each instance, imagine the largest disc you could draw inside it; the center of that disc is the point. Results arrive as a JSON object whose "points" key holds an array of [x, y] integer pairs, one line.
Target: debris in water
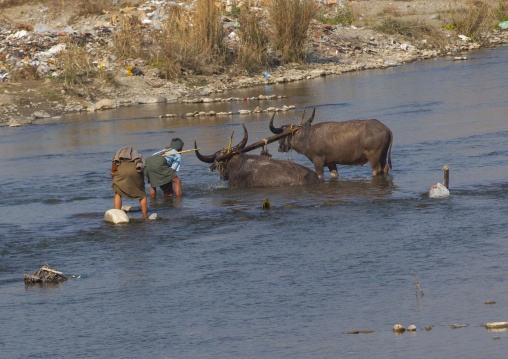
{"points": [[266, 204], [457, 326], [44, 275]]}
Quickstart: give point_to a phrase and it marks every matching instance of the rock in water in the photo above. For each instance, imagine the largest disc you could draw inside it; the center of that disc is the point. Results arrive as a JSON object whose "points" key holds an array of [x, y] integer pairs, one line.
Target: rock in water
{"points": [[116, 216], [438, 191]]}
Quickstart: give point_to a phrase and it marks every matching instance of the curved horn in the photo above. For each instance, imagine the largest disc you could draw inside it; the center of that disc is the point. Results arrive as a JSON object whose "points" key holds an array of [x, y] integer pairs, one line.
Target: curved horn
{"points": [[274, 129], [243, 142], [203, 158], [311, 117], [244, 139]]}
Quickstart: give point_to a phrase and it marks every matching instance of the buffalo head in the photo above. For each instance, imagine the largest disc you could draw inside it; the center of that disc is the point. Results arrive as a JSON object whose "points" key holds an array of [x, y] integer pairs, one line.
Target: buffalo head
{"points": [[285, 142], [221, 166]]}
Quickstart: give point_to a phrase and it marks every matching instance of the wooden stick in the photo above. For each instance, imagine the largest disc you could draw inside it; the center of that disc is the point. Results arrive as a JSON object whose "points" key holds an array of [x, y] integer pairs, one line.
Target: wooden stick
{"points": [[258, 144], [51, 270], [171, 154], [231, 140], [418, 284], [301, 121], [446, 180]]}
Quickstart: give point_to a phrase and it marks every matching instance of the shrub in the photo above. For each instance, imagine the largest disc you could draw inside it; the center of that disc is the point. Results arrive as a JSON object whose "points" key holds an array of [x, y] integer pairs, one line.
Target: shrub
{"points": [[413, 30], [344, 16], [290, 20], [252, 53], [473, 20]]}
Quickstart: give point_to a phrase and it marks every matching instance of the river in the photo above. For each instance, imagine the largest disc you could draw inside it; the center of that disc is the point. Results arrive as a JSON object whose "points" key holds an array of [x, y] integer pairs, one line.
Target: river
{"points": [[216, 276]]}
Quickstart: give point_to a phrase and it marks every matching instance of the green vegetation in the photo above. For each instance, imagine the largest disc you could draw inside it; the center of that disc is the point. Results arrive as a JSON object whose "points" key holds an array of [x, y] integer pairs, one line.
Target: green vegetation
{"points": [[343, 16]]}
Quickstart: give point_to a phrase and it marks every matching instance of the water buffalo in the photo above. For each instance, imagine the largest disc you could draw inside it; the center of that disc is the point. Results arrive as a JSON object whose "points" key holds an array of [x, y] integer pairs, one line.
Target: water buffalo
{"points": [[243, 170], [353, 142]]}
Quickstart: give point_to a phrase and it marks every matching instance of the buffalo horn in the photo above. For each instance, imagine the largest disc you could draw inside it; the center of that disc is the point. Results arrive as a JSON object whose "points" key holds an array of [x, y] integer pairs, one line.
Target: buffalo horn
{"points": [[243, 142], [311, 117], [274, 129], [203, 158]]}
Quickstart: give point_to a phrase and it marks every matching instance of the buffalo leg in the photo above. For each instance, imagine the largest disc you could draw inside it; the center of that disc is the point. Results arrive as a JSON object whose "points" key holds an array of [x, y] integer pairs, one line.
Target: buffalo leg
{"points": [[377, 169], [333, 171], [318, 167]]}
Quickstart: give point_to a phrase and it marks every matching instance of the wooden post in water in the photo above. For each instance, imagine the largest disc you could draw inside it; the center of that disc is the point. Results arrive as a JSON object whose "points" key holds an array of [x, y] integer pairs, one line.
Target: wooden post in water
{"points": [[446, 179]]}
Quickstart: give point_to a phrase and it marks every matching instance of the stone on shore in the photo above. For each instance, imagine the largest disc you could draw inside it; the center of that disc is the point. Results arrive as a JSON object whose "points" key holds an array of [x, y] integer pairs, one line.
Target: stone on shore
{"points": [[149, 99], [41, 114]]}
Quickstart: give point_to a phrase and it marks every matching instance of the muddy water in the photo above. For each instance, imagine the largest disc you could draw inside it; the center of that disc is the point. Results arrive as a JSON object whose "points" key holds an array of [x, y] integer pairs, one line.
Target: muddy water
{"points": [[218, 277]]}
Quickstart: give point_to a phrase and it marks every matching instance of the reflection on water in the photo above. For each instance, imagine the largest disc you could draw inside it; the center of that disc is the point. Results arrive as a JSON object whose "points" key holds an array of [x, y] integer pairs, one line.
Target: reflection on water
{"points": [[218, 276]]}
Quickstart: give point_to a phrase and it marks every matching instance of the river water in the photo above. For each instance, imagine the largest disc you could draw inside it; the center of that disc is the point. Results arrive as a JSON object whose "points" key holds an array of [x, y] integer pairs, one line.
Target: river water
{"points": [[216, 276]]}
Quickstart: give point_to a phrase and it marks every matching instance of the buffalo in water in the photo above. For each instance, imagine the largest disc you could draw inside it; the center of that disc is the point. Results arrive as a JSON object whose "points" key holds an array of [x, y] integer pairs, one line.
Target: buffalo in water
{"points": [[244, 170], [353, 142]]}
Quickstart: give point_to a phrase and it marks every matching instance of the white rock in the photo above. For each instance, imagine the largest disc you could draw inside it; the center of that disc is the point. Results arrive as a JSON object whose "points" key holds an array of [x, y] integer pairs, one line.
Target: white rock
{"points": [[398, 328], [438, 191], [411, 328], [104, 104], [146, 100], [116, 216], [317, 73], [153, 216], [41, 114]]}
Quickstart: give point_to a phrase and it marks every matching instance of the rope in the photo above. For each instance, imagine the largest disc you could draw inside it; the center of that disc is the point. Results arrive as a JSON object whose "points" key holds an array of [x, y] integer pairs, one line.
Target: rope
{"points": [[298, 172]]}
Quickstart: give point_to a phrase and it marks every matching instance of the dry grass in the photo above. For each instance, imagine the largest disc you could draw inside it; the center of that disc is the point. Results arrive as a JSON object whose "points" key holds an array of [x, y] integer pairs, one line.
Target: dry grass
{"points": [[252, 52], [290, 20], [76, 64], [413, 30], [191, 41], [128, 39], [473, 18]]}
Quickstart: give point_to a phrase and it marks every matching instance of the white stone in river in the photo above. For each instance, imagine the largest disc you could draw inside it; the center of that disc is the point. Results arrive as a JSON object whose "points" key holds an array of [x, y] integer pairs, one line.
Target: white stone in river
{"points": [[398, 328], [116, 216], [411, 328], [438, 191], [153, 216]]}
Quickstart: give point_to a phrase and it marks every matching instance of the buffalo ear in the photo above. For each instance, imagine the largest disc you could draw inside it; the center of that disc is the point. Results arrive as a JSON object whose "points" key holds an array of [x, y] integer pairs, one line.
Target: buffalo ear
{"points": [[309, 121]]}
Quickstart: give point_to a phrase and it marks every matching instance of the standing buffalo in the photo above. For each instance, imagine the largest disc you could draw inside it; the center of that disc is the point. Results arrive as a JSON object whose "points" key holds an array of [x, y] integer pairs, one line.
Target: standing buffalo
{"points": [[353, 142], [244, 170]]}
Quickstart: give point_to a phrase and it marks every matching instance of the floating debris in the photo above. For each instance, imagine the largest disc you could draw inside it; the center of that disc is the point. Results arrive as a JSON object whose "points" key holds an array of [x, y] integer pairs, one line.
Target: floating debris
{"points": [[411, 328], [360, 332], [490, 302], [266, 204], [457, 326], [44, 275]]}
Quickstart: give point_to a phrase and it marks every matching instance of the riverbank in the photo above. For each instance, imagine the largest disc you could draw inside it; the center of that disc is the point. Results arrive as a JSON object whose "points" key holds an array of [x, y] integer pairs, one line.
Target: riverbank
{"points": [[331, 49]]}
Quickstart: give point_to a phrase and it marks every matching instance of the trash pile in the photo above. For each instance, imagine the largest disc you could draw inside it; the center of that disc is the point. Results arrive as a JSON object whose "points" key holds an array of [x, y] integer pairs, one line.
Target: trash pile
{"points": [[38, 46], [44, 275]]}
